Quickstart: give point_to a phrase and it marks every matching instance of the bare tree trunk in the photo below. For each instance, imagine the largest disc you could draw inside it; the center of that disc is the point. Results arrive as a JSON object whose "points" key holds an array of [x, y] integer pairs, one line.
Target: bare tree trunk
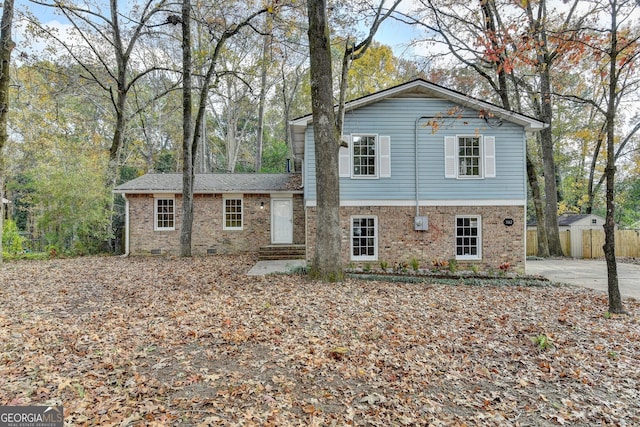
{"points": [[192, 135], [609, 247], [263, 93], [545, 59], [327, 262], [532, 176], [231, 140], [187, 154], [549, 165], [6, 46]]}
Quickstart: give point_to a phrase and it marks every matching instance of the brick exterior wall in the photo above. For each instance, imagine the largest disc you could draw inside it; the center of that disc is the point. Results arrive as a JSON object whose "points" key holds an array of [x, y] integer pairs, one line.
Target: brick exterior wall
{"points": [[398, 242], [208, 235]]}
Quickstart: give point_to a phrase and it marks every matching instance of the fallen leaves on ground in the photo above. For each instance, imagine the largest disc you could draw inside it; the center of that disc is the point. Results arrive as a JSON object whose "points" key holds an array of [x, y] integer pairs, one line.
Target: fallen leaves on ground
{"points": [[160, 341]]}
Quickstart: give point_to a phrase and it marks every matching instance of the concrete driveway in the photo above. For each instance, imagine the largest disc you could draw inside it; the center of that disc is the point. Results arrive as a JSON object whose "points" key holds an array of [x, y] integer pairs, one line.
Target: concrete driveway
{"points": [[587, 273]]}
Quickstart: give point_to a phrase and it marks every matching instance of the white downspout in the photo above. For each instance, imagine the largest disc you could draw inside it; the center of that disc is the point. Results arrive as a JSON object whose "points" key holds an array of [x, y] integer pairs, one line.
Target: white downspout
{"points": [[126, 225]]}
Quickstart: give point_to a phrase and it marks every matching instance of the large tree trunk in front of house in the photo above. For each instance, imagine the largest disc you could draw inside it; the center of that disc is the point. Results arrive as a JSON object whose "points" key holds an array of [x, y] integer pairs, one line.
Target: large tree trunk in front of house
{"points": [[609, 247], [532, 176], [6, 46], [545, 59], [187, 155], [327, 263], [549, 165]]}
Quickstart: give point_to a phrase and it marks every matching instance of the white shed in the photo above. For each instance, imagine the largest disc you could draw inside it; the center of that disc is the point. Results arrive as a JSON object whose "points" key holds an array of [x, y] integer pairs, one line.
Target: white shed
{"points": [[575, 224]]}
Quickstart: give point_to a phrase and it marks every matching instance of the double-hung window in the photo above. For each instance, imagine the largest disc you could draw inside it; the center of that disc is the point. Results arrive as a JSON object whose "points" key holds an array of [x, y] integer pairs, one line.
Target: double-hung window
{"points": [[468, 237], [365, 148], [233, 213], [469, 156], [164, 217], [365, 156], [364, 238]]}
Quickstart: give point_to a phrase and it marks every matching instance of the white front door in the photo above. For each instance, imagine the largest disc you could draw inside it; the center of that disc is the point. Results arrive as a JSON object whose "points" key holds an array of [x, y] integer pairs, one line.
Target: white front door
{"points": [[282, 221]]}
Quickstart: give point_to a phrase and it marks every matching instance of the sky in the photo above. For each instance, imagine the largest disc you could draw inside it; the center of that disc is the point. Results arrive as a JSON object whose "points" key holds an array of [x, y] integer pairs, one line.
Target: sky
{"points": [[393, 33], [398, 36]]}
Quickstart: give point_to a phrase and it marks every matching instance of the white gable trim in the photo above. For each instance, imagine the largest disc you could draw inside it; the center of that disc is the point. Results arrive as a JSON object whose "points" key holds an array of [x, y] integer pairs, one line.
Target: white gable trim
{"points": [[435, 91]]}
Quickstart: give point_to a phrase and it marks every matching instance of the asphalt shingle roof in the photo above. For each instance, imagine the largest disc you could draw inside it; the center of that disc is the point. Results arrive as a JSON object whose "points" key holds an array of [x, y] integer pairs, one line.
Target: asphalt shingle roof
{"points": [[214, 183], [564, 220]]}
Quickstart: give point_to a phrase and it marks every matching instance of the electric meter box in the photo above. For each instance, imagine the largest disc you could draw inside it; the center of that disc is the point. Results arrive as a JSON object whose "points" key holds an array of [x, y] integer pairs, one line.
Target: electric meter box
{"points": [[421, 223]]}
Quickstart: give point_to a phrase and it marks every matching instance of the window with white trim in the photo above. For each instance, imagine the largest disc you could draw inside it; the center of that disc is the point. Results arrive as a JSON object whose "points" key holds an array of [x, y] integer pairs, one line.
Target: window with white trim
{"points": [[164, 218], [364, 238], [365, 156], [469, 156], [365, 149], [468, 237], [233, 213]]}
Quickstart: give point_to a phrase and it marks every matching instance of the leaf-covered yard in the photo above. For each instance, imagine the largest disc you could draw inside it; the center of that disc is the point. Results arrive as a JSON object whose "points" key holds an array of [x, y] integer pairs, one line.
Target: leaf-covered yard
{"points": [[157, 341]]}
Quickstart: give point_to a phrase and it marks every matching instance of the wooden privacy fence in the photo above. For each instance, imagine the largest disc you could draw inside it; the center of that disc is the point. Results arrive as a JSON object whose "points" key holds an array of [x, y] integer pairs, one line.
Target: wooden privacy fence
{"points": [[627, 243], [532, 242]]}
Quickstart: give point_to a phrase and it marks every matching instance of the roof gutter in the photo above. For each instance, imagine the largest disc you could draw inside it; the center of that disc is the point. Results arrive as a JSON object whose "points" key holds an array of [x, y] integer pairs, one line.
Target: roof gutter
{"points": [[238, 191]]}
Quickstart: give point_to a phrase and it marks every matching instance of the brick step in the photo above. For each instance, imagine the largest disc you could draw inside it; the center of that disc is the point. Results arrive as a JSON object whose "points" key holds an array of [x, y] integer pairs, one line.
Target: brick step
{"points": [[279, 252]]}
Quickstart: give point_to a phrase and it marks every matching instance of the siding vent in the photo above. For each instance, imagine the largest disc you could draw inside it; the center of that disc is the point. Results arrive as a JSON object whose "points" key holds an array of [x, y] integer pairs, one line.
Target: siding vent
{"points": [[212, 251], [156, 251]]}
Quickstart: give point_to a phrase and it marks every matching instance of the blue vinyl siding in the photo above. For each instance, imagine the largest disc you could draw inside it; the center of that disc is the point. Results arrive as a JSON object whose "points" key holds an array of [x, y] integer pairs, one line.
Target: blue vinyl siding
{"points": [[396, 118]]}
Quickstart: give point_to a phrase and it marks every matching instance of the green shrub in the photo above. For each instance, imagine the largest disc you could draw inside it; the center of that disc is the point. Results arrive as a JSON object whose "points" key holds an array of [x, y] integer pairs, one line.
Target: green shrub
{"points": [[453, 265], [11, 239]]}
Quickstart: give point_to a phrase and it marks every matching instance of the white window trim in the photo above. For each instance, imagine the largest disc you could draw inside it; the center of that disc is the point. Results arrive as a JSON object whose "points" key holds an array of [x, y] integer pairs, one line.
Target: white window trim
{"points": [[377, 156], [383, 157], [155, 213], [224, 211], [375, 237], [455, 236], [487, 165], [481, 166]]}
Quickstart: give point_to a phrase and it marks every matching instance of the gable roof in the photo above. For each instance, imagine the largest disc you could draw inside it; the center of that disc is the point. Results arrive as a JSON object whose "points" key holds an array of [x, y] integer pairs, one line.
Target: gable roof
{"points": [[566, 220], [415, 88], [171, 183]]}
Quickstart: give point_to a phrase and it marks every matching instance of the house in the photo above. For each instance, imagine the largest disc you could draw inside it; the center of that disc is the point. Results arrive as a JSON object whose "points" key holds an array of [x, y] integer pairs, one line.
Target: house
{"points": [[572, 226], [427, 173], [232, 213]]}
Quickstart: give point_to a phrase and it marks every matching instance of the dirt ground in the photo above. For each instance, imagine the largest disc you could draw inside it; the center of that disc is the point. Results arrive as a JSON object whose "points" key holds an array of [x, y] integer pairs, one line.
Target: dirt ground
{"points": [[162, 341]]}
